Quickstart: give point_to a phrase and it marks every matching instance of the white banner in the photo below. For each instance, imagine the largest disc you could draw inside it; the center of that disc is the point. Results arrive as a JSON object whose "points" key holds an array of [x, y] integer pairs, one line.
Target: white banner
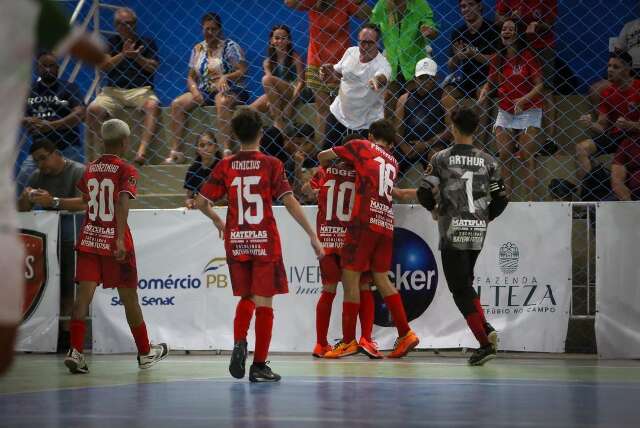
{"points": [[523, 274], [39, 329], [617, 273]]}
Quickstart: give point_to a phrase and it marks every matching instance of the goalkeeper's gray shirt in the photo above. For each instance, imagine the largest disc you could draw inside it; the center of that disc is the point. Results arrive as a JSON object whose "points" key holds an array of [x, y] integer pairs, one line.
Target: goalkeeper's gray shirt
{"points": [[465, 174]]}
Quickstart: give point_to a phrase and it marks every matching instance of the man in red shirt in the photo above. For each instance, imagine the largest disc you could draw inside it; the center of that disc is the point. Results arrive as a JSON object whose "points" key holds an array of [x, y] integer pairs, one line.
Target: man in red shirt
{"points": [[618, 114], [335, 188], [625, 171], [251, 180], [369, 239], [105, 248]]}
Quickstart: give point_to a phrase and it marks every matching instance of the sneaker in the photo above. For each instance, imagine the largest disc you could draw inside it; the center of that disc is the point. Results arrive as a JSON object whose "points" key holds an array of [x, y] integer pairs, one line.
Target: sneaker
{"points": [[492, 335], [369, 348], [238, 359], [262, 373], [404, 344], [76, 362], [156, 353], [319, 350], [343, 350], [482, 355]]}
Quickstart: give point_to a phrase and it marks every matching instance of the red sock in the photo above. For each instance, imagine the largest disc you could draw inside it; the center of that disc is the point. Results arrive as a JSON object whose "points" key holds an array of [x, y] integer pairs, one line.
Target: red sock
{"points": [[264, 325], [366, 313], [476, 324], [323, 315], [349, 320], [394, 303], [77, 329], [141, 338], [480, 309], [244, 313]]}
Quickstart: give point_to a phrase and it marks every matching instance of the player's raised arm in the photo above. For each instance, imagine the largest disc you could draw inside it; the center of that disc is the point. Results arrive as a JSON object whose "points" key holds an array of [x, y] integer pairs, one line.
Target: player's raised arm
{"points": [[326, 156], [294, 208]]}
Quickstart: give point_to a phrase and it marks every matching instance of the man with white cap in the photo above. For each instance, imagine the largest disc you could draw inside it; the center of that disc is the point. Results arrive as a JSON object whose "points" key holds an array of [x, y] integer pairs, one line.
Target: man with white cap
{"points": [[421, 120], [105, 247]]}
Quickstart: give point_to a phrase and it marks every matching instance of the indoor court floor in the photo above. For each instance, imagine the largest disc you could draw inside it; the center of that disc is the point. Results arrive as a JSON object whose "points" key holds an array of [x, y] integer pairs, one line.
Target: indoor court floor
{"points": [[514, 390]]}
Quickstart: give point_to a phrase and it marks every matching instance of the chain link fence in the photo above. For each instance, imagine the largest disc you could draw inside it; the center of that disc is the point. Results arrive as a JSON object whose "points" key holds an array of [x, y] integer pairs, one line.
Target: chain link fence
{"points": [[535, 70]]}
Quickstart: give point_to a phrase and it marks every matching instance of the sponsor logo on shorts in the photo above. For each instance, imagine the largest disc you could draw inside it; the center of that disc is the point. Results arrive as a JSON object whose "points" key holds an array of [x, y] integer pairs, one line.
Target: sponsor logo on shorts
{"points": [[414, 272], [35, 270]]}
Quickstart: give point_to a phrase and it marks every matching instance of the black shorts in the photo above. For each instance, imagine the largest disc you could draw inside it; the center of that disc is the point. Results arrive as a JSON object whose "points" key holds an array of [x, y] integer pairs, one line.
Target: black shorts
{"points": [[607, 143]]}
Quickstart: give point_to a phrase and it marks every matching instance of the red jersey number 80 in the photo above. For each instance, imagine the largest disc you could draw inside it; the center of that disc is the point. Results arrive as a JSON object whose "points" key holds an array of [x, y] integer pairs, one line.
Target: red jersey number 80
{"points": [[101, 202]]}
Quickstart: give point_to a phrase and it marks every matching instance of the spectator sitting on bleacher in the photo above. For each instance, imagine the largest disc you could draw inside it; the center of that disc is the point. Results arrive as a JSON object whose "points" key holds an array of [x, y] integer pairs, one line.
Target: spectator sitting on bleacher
{"points": [[283, 79], [618, 115], [54, 180], [539, 17], [363, 73], [625, 171], [407, 28], [328, 40], [303, 162], [207, 157], [216, 77], [516, 75], [130, 69], [54, 112], [421, 119], [472, 45], [627, 41]]}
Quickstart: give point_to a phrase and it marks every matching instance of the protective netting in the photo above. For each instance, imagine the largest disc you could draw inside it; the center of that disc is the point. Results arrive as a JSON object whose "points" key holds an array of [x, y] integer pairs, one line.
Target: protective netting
{"points": [[577, 142], [558, 154]]}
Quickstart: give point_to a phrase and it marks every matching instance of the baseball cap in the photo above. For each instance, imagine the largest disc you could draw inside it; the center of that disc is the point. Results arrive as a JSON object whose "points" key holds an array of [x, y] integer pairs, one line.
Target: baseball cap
{"points": [[114, 129], [426, 66]]}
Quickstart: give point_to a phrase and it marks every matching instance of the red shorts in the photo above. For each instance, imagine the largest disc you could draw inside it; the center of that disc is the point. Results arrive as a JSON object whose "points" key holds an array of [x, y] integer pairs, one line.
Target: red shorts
{"points": [[252, 277], [365, 250], [107, 271], [331, 272]]}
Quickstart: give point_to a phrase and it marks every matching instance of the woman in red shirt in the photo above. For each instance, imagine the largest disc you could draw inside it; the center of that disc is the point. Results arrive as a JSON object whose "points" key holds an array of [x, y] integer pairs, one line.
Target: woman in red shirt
{"points": [[515, 73]]}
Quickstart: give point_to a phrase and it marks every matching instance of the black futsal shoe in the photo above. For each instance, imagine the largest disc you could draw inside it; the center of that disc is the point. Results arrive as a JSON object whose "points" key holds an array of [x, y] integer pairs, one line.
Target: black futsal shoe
{"points": [[262, 373], [238, 359], [482, 355]]}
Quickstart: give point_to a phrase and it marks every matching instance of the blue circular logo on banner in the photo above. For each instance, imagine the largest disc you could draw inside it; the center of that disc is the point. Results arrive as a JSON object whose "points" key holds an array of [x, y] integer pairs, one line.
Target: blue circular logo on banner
{"points": [[414, 273]]}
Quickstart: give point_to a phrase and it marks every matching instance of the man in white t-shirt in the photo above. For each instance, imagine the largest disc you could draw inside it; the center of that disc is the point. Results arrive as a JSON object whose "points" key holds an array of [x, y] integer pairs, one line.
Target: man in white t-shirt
{"points": [[363, 73]]}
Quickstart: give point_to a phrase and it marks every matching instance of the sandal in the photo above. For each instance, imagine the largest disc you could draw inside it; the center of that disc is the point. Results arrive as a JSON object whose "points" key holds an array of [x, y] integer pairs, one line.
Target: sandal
{"points": [[175, 157]]}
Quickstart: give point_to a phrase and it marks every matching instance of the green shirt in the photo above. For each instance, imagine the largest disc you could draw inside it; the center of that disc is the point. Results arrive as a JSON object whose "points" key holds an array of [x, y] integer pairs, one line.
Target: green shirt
{"points": [[404, 44]]}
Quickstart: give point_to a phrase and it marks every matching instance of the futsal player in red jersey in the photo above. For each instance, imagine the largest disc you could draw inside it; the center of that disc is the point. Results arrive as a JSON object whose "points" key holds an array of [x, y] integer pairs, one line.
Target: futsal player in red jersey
{"points": [[369, 238], [105, 251], [251, 180], [335, 191]]}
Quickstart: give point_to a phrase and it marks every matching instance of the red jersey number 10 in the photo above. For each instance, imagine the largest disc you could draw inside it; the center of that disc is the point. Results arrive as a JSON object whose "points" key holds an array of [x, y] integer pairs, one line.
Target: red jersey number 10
{"points": [[339, 204]]}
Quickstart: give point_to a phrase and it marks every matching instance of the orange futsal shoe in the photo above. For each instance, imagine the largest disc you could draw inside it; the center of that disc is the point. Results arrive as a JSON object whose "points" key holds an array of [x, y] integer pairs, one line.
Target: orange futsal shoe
{"points": [[404, 344], [369, 348], [319, 350], [343, 350]]}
